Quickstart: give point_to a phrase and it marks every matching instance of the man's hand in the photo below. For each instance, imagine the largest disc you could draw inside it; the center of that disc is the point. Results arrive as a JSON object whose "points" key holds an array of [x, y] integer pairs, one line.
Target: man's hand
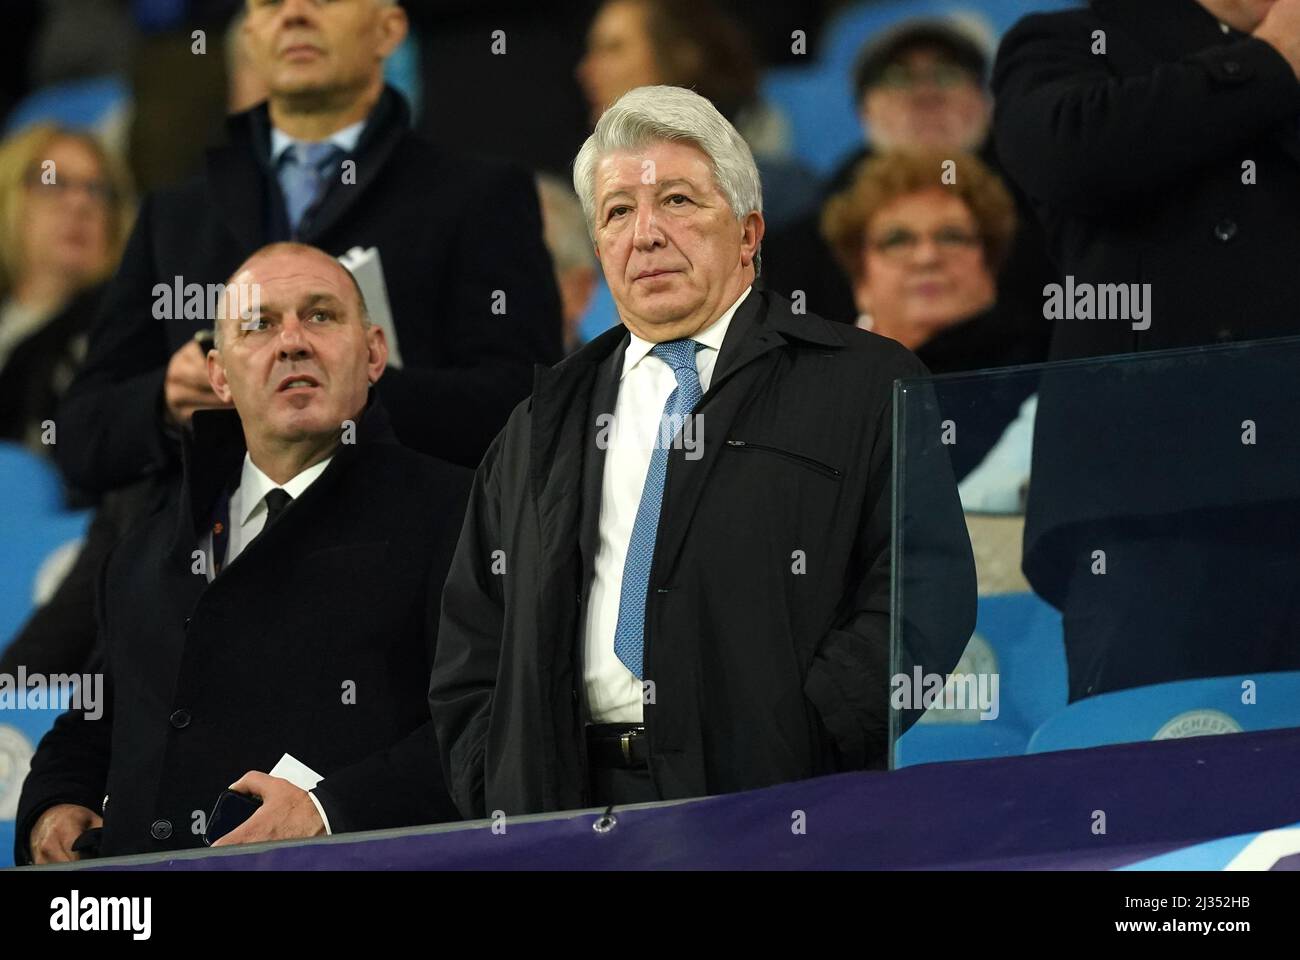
{"points": [[57, 830], [1280, 28], [286, 812], [186, 387]]}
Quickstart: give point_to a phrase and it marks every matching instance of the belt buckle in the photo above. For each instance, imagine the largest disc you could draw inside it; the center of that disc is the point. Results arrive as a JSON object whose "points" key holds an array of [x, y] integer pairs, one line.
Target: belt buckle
{"points": [[625, 741]]}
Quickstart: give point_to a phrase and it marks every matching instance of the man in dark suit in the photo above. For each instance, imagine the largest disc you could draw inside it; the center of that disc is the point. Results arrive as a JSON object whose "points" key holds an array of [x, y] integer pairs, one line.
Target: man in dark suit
{"points": [[328, 160], [674, 577], [285, 602], [1160, 144], [469, 281]]}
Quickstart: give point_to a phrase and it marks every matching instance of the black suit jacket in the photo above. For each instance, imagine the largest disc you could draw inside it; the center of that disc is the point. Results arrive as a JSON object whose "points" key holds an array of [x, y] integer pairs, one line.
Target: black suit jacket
{"points": [[452, 231], [762, 673], [317, 640], [1134, 161]]}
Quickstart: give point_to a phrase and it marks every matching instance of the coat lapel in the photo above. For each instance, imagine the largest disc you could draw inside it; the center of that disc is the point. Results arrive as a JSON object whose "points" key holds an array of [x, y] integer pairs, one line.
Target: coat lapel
{"points": [[759, 331], [389, 122], [243, 184], [562, 408], [604, 398]]}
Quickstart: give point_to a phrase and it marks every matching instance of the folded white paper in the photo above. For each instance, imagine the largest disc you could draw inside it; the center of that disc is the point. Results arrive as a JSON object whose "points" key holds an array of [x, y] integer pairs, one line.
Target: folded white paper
{"points": [[367, 267], [296, 772]]}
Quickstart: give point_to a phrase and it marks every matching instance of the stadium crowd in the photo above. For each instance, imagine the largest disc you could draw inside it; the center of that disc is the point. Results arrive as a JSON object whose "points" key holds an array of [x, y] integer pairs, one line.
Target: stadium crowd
{"points": [[376, 519]]}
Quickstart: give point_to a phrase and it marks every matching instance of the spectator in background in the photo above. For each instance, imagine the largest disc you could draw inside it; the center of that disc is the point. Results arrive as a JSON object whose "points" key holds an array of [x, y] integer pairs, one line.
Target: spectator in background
{"points": [[59, 238], [81, 38], [922, 257], [245, 84], [1160, 142], [1171, 156], [329, 159], [457, 237], [65, 211], [919, 86], [691, 43], [178, 102], [572, 254]]}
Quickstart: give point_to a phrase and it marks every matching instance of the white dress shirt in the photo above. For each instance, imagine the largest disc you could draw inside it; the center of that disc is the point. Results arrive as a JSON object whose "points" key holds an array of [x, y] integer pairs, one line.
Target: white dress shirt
{"points": [[248, 517], [345, 139], [613, 691], [248, 507]]}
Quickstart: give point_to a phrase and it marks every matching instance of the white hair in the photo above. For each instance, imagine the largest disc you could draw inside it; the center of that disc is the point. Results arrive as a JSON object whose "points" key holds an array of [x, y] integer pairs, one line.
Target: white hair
{"points": [[649, 115]]}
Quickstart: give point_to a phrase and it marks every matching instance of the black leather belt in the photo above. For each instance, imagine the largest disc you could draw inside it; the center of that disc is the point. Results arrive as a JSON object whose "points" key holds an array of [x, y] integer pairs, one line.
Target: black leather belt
{"points": [[618, 745]]}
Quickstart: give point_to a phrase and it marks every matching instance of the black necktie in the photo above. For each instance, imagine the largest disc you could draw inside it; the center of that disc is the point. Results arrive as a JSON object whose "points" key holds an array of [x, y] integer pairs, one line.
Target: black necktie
{"points": [[276, 501]]}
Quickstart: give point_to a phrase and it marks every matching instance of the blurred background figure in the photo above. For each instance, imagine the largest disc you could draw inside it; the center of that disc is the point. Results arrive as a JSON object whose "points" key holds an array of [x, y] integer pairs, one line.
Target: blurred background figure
{"points": [[564, 228], [245, 85], [65, 212], [922, 259], [917, 86], [1161, 146], [1171, 157], [181, 45], [693, 44], [82, 38], [920, 86]]}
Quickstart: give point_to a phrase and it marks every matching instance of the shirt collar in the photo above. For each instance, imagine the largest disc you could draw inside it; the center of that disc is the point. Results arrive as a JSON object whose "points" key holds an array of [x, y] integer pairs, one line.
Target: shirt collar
{"points": [[254, 485], [345, 139], [710, 337]]}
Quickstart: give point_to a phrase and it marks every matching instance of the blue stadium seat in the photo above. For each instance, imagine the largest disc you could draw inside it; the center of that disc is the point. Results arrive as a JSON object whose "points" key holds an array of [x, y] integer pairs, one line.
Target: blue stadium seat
{"points": [[601, 312], [1182, 708], [1021, 643], [27, 538], [20, 732], [403, 71], [80, 104], [29, 535]]}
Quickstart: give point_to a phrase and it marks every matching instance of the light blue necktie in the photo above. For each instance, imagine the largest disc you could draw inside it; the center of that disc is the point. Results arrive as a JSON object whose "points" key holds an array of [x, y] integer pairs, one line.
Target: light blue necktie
{"points": [[304, 168], [629, 634]]}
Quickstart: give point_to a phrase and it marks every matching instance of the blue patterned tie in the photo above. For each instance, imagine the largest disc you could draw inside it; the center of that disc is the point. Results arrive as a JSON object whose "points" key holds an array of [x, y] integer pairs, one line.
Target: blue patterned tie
{"points": [[629, 634], [304, 169]]}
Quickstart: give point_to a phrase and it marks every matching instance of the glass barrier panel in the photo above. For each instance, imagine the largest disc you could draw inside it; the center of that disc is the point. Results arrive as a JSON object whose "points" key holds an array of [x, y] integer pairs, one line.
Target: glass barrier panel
{"points": [[1135, 528]]}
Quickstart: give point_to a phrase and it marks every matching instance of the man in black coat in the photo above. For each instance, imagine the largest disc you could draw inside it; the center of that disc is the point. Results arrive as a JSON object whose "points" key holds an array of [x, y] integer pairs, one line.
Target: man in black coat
{"points": [[1160, 144], [674, 576], [285, 602], [469, 280]]}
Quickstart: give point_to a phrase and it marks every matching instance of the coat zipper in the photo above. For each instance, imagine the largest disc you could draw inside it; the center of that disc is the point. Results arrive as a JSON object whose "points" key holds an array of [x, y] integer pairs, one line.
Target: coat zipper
{"points": [[798, 457]]}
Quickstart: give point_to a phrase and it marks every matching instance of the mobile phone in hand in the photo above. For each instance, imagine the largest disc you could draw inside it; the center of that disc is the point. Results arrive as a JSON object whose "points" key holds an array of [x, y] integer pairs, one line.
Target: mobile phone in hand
{"points": [[230, 811]]}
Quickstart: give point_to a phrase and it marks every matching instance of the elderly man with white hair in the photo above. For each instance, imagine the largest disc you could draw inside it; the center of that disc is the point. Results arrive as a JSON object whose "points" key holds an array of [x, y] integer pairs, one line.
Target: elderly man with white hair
{"points": [[674, 576]]}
